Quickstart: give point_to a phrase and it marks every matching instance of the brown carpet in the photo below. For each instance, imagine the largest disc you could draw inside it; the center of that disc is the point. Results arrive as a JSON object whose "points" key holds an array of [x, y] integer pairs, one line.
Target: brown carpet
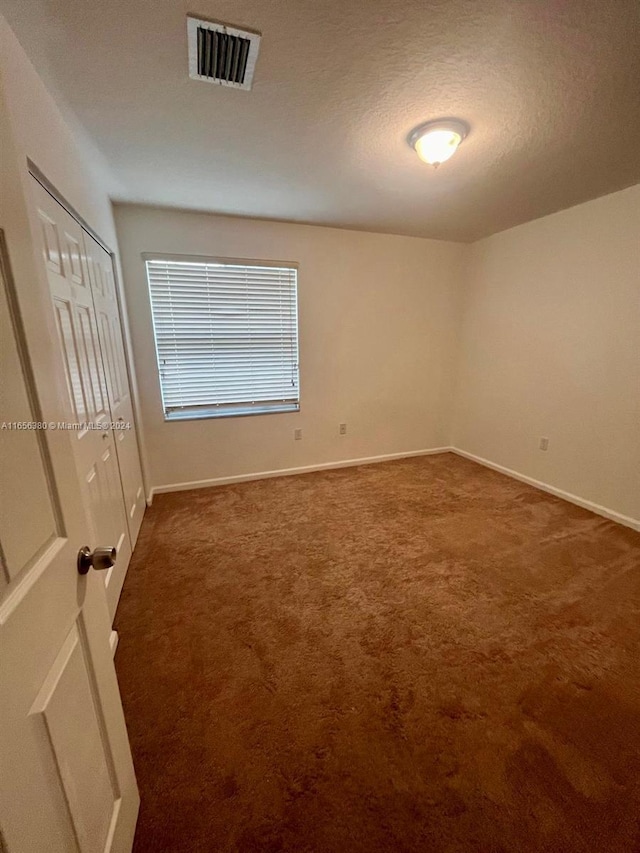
{"points": [[421, 655]]}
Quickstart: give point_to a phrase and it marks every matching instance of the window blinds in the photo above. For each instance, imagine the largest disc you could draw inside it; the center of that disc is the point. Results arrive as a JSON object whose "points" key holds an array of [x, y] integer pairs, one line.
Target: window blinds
{"points": [[226, 337]]}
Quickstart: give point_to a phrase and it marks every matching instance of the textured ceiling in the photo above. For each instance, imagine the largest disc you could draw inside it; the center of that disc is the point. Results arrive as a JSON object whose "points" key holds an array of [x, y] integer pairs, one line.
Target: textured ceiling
{"points": [[551, 89]]}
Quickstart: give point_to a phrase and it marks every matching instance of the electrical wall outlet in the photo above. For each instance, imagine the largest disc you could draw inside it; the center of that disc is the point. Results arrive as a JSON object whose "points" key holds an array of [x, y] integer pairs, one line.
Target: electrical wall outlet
{"points": [[544, 444], [343, 429], [297, 434]]}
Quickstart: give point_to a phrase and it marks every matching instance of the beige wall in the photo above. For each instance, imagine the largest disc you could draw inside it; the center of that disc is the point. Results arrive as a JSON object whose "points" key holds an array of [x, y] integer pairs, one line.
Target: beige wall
{"points": [[33, 127], [550, 346], [57, 145], [378, 317]]}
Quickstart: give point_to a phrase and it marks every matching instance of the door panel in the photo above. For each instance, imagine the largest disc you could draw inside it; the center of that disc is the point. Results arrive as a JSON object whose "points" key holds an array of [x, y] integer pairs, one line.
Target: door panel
{"points": [[51, 243], [100, 265], [71, 732], [88, 407], [64, 316], [67, 781], [93, 377], [66, 776], [24, 472]]}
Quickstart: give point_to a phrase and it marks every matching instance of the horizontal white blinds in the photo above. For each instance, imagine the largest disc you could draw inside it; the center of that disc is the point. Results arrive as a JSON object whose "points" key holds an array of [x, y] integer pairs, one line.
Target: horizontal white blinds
{"points": [[226, 337]]}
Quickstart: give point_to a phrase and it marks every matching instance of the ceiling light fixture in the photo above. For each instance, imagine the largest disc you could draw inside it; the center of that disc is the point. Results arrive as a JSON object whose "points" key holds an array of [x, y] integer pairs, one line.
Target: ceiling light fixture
{"points": [[436, 141]]}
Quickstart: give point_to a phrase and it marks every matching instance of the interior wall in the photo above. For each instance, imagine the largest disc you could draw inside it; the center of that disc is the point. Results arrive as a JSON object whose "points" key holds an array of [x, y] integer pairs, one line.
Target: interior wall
{"points": [[36, 129], [20, 92], [31, 126], [55, 143], [550, 347], [377, 330]]}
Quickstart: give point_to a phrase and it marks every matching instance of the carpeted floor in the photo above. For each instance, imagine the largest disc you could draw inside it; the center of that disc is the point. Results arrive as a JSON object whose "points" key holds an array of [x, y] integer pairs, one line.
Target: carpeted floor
{"points": [[421, 655]]}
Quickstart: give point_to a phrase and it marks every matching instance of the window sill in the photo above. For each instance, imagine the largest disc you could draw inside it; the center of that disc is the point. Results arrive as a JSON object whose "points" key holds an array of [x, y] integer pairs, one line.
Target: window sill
{"points": [[222, 412]]}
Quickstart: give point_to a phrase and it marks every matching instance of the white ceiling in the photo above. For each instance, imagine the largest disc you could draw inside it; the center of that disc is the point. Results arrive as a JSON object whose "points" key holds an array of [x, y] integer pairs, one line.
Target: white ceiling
{"points": [[551, 89]]}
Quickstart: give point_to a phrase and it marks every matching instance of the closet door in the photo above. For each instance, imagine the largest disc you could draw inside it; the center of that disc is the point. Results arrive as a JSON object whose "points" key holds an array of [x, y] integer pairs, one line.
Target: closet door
{"points": [[107, 311], [88, 411], [67, 783]]}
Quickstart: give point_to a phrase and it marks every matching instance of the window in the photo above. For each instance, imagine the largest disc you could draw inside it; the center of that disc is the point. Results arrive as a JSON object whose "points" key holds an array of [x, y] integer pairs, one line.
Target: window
{"points": [[226, 337]]}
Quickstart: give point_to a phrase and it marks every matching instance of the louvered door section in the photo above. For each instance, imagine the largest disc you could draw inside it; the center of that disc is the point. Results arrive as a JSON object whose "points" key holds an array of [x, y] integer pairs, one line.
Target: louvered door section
{"points": [[226, 336]]}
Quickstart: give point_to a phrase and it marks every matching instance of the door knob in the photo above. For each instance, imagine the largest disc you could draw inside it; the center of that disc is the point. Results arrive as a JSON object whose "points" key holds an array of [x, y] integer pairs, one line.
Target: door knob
{"points": [[101, 557]]}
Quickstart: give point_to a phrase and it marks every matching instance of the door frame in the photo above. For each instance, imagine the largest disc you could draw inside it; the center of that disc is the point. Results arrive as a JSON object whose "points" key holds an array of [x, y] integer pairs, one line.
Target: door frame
{"points": [[42, 179]]}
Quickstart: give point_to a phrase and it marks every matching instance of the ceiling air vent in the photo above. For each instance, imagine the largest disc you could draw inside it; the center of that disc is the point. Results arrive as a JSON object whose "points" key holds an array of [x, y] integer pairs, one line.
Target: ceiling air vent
{"points": [[221, 54]]}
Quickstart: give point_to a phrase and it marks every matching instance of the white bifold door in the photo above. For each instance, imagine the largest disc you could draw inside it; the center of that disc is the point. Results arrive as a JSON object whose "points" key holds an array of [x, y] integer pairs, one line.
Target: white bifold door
{"points": [[103, 288], [98, 398], [67, 783]]}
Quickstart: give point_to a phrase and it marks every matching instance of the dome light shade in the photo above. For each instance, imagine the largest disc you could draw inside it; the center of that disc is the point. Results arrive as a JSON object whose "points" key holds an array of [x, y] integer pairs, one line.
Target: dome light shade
{"points": [[437, 141]]}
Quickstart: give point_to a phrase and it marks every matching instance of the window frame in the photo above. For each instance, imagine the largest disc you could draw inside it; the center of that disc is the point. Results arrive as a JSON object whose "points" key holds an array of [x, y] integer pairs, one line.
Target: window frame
{"points": [[211, 412]]}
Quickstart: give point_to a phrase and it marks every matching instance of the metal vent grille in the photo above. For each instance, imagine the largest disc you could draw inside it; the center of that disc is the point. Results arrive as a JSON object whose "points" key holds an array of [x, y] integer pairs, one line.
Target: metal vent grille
{"points": [[221, 54]]}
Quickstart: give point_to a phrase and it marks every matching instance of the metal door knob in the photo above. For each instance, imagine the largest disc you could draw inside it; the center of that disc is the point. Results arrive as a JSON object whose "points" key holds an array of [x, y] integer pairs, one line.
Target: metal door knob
{"points": [[101, 557]]}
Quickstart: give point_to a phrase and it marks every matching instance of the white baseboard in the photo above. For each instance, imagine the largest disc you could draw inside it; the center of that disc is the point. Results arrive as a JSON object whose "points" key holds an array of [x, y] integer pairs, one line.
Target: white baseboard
{"points": [[113, 642], [634, 523], [288, 472]]}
